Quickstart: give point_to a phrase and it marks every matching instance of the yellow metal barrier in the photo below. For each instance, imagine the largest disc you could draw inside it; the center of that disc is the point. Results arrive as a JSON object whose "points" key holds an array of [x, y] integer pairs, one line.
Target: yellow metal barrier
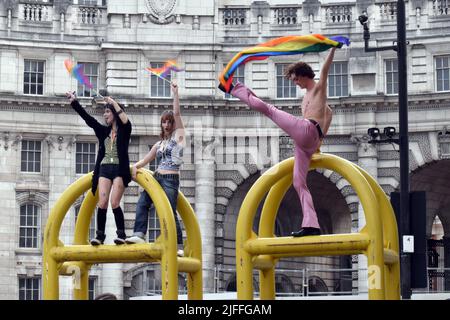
{"points": [[378, 240], [76, 260]]}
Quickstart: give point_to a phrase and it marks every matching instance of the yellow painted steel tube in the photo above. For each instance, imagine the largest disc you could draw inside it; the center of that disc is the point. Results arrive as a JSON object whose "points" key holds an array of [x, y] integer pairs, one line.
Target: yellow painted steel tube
{"points": [[258, 190], [244, 264], [374, 252], [353, 243], [193, 247], [266, 229], [51, 234], [108, 253], [390, 238], [80, 276], [169, 265], [53, 248]]}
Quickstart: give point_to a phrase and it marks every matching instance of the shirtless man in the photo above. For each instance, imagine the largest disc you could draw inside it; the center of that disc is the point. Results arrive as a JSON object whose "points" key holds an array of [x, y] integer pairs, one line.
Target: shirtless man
{"points": [[307, 133]]}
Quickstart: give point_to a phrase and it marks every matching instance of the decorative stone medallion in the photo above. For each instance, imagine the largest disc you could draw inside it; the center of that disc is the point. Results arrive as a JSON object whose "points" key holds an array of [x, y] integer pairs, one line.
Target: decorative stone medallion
{"points": [[161, 11]]}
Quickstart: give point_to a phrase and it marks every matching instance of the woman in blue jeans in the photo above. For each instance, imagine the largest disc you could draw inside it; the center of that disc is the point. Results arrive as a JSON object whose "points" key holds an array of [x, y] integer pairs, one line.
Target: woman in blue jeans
{"points": [[168, 153]]}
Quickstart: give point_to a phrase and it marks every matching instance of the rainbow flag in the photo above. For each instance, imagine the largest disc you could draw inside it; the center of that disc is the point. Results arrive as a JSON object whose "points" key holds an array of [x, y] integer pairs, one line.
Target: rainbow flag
{"points": [[77, 72], [165, 70], [288, 45]]}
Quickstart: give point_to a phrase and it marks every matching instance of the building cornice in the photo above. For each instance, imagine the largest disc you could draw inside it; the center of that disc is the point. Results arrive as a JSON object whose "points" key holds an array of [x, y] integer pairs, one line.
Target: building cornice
{"points": [[426, 101]]}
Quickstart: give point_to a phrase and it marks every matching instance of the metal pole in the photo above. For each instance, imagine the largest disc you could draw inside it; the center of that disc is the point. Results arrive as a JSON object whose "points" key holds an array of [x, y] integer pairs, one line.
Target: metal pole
{"points": [[404, 148]]}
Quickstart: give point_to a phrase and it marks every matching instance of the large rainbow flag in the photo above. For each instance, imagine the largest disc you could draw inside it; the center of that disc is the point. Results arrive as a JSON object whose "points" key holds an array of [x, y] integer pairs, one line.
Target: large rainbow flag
{"points": [[280, 46]]}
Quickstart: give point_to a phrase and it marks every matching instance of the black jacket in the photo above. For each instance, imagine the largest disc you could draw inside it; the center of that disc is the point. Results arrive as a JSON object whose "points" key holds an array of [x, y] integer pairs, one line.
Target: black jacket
{"points": [[102, 132]]}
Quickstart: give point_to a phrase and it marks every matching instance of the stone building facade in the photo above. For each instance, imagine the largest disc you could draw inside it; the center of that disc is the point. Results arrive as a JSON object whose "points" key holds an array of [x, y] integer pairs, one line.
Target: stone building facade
{"points": [[44, 146]]}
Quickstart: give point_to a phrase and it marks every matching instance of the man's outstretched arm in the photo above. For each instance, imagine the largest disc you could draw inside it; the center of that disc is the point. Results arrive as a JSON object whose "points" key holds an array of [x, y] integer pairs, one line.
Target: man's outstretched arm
{"points": [[322, 83]]}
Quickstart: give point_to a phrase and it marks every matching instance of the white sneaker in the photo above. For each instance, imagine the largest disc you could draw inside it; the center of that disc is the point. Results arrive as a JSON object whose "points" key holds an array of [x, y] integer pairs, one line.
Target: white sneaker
{"points": [[180, 253], [134, 239]]}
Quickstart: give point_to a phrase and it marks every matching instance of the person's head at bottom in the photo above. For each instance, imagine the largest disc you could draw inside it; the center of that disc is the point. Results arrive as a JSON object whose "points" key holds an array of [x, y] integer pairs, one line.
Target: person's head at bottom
{"points": [[106, 296]]}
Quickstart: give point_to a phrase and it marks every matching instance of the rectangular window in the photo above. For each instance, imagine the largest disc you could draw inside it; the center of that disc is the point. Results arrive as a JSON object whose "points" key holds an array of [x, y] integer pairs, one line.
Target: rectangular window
{"points": [[153, 225], [29, 288], [285, 87], [29, 229], [92, 288], [239, 75], [31, 156], [154, 164], [338, 80], [159, 87], [87, 2], [391, 76], [33, 77], [91, 72], [442, 73], [85, 157]]}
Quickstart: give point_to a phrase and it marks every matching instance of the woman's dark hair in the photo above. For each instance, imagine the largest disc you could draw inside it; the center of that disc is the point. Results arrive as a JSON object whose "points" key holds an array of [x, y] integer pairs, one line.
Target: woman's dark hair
{"points": [[113, 110], [299, 69], [106, 296], [166, 115]]}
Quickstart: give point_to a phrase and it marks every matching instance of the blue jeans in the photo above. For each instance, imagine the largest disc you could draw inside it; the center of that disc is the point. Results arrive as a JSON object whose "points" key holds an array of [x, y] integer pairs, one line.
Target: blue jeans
{"points": [[170, 184]]}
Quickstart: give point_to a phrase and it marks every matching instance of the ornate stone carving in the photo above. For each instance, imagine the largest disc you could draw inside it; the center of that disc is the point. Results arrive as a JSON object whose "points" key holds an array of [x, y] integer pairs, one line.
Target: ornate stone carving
{"points": [[161, 11]]}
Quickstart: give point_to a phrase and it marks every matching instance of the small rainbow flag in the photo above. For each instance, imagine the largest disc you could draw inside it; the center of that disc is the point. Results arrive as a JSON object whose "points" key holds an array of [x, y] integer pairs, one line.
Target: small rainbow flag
{"points": [[77, 72], [288, 45], [165, 70]]}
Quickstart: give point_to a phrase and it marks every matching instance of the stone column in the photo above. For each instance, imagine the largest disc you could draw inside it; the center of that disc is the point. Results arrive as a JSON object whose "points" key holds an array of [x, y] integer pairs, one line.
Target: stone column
{"points": [[368, 160], [205, 203]]}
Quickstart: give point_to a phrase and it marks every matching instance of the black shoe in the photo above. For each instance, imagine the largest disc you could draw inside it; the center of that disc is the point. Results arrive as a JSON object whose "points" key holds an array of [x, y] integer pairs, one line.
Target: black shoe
{"points": [[223, 89], [121, 236], [307, 231], [99, 239]]}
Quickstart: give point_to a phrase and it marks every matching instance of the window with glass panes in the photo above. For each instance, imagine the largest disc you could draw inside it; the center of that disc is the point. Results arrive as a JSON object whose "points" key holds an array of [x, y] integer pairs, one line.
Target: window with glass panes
{"points": [[338, 79], [92, 288], [33, 77], [159, 87], [85, 157], [87, 2], [92, 224], [153, 225], [442, 73], [391, 76], [31, 156], [285, 87], [239, 75], [29, 228], [91, 72], [29, 288], [154, 164]]}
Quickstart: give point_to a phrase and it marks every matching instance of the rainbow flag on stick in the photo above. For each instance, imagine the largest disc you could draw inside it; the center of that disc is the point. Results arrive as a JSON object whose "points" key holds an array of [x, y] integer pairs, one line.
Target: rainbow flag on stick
{"points": [[165, 70], [77, 71], [288, 45]]}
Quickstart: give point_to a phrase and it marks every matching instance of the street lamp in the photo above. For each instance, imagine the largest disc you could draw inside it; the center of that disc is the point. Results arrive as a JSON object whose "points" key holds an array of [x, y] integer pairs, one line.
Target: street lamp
{"points": [[404, 223]]}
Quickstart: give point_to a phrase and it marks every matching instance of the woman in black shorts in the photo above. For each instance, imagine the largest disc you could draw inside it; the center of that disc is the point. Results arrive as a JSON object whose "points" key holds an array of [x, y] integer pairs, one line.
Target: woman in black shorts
{"points": [[112, 167]]}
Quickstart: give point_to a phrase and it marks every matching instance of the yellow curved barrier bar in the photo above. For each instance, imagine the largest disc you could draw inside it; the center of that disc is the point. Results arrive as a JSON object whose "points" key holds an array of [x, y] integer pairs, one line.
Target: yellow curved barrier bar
{"points": [[78, 258], [370, 241]]}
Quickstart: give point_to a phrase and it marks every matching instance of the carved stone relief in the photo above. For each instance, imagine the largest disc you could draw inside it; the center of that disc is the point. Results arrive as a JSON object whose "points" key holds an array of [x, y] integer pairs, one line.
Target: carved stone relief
{"points": [[161, 11]]}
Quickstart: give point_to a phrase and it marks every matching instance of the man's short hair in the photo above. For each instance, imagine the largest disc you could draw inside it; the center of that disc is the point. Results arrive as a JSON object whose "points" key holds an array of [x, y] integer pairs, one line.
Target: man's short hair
{"points": [[299, 69]]}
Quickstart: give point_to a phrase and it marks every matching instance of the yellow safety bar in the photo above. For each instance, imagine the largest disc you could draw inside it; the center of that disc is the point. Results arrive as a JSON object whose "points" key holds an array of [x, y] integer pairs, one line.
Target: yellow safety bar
{"points": [[378, 240], [76, 260]]}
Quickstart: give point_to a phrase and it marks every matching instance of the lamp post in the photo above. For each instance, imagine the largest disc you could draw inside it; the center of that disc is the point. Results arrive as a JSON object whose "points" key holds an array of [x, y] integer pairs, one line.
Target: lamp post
{"points": [[404, 223]]}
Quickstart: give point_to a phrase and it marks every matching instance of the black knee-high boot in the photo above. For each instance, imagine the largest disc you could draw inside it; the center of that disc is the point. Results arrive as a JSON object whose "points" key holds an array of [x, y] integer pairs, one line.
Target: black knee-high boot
{"points": [[101, 223], [120, 222]]}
